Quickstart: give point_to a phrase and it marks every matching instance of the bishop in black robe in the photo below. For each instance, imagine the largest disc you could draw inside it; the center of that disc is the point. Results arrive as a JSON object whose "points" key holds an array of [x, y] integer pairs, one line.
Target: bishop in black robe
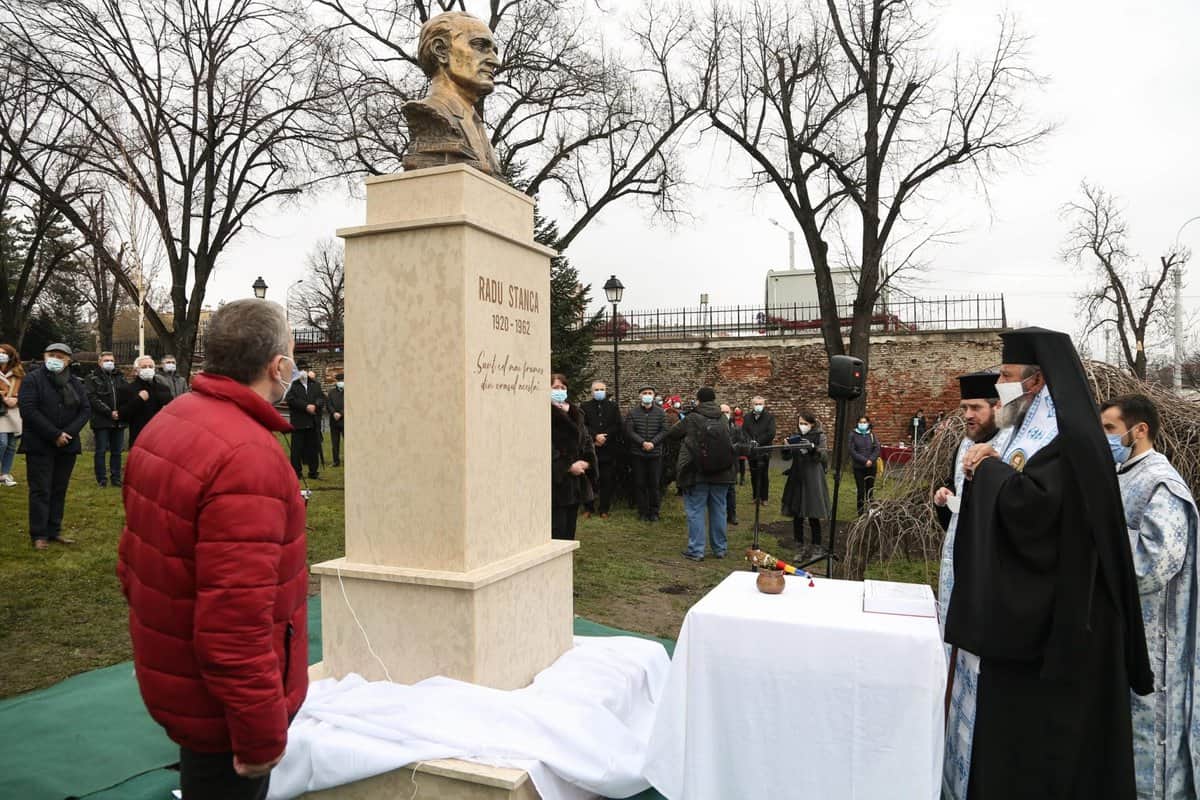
{"points": [[1045, 594]]}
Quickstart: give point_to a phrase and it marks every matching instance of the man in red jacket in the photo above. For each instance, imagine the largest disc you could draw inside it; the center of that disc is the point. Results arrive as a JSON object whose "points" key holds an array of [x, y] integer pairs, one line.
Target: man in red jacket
{"points": [[212, 561]]}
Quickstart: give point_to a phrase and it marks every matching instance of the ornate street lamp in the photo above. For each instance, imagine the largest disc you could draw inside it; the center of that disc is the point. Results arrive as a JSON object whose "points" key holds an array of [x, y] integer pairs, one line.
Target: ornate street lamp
{"points": [[260, 288], [613, 290]]}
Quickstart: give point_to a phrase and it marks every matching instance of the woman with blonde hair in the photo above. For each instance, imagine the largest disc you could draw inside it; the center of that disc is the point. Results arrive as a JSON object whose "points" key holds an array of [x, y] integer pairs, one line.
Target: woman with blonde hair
{"points": [[11, 374]]}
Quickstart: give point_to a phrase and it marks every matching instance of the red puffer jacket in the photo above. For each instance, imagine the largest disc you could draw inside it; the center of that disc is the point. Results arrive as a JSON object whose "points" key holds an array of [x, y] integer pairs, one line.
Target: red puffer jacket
{"points": [[213, 564]]}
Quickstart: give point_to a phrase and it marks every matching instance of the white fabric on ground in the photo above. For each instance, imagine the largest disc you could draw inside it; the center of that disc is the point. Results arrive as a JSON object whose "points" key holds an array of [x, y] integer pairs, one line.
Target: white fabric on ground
{"points": [[800, 695], [580, 729]]}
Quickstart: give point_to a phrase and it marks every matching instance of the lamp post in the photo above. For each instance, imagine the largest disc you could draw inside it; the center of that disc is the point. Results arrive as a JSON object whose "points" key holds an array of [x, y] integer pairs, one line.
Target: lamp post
{"points": [[613, 290], [260, 288], [287, 299], [704, 326], [1178, 377], [791, 243]]}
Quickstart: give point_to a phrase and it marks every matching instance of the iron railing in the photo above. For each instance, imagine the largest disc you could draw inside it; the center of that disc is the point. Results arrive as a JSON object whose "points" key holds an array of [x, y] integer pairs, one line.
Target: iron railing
{"points": [[981, 312], [308, 340]]}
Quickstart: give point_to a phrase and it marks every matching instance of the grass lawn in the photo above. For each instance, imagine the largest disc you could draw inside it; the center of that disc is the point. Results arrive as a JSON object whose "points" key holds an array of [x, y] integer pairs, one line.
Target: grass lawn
{"points": [[61, 610]]}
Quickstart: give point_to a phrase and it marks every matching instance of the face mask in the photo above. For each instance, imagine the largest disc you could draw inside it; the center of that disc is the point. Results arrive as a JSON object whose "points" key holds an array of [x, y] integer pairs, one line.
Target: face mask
{"points": [[3, 358], [1120, 451], [558, 395], [146, 373], [758, 409], [647, 399], [168, 368], [341, 384], [1009, 392], [288, 383], [675, 405], [658, 400], [55, 364], [805, 428], [108, 366], [599, 394], [863, 428]]}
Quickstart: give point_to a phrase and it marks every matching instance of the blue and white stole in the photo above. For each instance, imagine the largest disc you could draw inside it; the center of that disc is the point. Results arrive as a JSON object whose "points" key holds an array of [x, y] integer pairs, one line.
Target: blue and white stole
{"points": [[1038, 430]]}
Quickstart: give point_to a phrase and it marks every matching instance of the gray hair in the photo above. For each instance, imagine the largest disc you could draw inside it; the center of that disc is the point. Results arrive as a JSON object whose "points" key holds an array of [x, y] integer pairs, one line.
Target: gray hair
{"points": [[243, 337], [140, 359]]}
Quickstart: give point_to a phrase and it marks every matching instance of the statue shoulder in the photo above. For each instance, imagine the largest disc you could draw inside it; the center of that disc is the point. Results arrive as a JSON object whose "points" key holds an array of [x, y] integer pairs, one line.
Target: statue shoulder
{"points": [[430, 117]]}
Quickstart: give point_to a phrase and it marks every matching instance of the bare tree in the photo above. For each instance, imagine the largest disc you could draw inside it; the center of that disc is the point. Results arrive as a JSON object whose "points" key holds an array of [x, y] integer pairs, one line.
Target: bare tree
{"points": [[323, 293], [1129, 300], [841, 108], [568, 111], [205, 111], [98, 286]]}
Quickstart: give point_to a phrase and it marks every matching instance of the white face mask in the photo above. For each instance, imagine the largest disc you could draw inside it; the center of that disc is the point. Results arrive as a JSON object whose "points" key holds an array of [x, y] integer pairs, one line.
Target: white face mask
{"points": [[108, 366], [287, 384], [1008, 392], [341, 384], [3, 358], [146, 373], [758, 408], [805, 428], [168, 367]]}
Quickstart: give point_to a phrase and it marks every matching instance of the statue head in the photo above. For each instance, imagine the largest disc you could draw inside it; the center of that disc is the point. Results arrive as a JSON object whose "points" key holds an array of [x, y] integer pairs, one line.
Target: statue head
{"points": [[460, 47]]}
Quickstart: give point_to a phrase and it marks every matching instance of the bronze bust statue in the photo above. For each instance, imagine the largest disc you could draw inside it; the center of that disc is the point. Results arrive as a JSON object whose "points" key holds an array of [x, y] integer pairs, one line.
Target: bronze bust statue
{"points": [[459, 55]]}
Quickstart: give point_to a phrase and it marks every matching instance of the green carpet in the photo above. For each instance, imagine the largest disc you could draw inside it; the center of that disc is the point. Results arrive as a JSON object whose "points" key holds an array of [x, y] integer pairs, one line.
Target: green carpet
{"points": [[90, 736]]}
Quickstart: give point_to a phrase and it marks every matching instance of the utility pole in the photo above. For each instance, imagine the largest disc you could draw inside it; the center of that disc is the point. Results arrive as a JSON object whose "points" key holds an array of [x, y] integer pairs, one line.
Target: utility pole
{"points": [[1179, 327]]}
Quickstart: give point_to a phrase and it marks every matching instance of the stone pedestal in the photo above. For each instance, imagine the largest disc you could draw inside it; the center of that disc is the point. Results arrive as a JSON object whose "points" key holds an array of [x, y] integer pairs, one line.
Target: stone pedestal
{"points": [[449, 566]]}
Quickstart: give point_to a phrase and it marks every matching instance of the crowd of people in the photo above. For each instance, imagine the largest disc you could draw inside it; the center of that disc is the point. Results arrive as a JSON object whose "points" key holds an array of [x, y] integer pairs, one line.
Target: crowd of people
{"points": [[706, 448], [44, 411]]}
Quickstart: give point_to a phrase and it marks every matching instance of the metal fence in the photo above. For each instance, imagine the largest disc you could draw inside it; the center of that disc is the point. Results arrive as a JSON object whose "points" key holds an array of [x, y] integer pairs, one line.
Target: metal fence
{"points": [[308, 340], [707, 322]]}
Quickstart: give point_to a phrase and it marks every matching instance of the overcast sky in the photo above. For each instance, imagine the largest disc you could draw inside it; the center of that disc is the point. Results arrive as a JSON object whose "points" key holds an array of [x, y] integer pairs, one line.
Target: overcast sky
{"points": [[1124, 90]]}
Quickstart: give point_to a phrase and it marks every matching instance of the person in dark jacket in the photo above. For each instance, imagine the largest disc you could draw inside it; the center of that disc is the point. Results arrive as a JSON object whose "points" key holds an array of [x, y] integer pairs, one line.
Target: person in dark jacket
{"points": [[104, 387], [603, 420], [739, 439], [864, 452], [806, 494], [305, 401], [212, 561], [337, 416], [169, 376], [572, 461], [645, 430], [54, 408], [759, 427], [704, 489], [142, 397]]}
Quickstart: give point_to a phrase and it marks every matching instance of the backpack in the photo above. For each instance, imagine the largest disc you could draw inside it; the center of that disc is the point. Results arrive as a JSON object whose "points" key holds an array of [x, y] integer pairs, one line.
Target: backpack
{"points": [[714, 449]]}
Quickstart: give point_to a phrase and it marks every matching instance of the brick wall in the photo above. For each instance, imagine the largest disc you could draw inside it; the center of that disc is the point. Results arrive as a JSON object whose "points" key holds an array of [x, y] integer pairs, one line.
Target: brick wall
{"points": [[906, 372]]}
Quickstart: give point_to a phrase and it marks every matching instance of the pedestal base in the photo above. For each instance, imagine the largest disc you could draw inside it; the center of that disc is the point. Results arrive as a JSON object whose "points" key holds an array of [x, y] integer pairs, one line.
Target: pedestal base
{"points": [[497, 626], [447, 779]]}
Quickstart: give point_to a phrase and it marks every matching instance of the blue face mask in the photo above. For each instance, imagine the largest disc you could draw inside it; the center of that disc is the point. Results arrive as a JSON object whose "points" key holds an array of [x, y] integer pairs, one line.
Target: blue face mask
{"points": [[558, 395], [1120, 451], [55, 364], [863, 428], [600, 394]]}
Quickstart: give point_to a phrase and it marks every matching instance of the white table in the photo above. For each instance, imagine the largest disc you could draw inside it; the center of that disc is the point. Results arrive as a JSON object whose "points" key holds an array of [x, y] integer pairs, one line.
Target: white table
{"points": [[800, 694]]}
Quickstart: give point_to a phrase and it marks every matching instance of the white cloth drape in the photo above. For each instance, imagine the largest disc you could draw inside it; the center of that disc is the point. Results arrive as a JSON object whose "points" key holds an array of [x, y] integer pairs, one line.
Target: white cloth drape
{"points": [[580, 729]]}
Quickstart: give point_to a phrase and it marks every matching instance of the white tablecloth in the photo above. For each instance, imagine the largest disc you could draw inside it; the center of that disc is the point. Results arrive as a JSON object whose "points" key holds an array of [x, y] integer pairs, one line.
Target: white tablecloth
{"points": [[800, 694]]}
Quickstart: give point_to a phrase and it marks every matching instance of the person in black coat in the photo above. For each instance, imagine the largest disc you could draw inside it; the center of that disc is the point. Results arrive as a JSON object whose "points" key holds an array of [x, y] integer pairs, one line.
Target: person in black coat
{"points": [[806, 494], [572, 461], [305, 401], [603, 420], [142, 397], [645, 431], [759, 427], [739, 440], [104, 387], [337, 417], [864, 453], [54, 408]]}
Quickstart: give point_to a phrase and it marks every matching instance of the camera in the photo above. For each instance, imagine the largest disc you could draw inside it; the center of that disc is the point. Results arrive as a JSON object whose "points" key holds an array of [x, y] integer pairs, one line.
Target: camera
{"points": [[799, 444], [745, 449]]}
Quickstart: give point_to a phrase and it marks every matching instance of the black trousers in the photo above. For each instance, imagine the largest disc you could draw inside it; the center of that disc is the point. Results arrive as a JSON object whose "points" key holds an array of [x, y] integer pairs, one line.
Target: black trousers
{"points": [[605, 485], [306, 446], [798, 529], [864, 481], [110, 442], [335, 441], [48, 476], [731, 503], [563, 520], [760, 480], [211, 776], [646, 475]]}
